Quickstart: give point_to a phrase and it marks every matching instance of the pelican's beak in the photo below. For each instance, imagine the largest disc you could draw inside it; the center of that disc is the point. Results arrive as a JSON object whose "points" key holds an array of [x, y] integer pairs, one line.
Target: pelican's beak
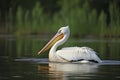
{"points": [[57, 37]]}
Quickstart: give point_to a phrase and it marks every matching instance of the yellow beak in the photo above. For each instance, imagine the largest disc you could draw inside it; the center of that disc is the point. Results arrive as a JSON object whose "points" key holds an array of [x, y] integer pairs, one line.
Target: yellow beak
{"points": [[56, 38]]}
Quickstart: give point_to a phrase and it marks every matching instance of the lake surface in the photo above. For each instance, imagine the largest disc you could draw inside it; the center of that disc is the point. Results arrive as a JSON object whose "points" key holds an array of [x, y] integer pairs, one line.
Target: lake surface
{"points": [[19, 60]]}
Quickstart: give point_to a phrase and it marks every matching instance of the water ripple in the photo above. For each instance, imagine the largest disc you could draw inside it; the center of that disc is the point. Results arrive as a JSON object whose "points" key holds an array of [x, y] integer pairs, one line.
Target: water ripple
{"points": [[45, 60]]}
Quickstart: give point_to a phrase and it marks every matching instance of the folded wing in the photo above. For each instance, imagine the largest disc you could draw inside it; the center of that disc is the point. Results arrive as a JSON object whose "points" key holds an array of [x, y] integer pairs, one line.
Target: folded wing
{"points": [[78, 53]]}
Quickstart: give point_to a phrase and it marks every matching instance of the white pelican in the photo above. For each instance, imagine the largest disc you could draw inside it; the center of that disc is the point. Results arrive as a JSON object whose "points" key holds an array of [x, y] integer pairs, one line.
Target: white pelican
{"points": [[68, 54]]}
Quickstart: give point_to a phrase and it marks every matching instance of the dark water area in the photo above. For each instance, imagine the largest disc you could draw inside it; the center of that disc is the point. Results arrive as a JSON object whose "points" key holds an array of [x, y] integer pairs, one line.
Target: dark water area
{"points": [[19, 60]]}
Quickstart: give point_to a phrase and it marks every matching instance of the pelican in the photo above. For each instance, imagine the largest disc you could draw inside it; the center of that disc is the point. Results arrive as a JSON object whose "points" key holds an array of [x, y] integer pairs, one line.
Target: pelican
{"points": [[68, 54]]}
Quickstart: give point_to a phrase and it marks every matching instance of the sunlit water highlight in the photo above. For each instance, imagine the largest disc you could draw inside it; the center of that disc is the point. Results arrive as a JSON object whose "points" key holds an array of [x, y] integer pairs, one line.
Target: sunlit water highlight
{"points": [[46, 61]]}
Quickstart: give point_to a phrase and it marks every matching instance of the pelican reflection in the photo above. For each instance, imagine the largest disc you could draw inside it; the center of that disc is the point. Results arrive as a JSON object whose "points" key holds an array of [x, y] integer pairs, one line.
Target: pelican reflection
{"points": [[73, 68], [61, 71]]}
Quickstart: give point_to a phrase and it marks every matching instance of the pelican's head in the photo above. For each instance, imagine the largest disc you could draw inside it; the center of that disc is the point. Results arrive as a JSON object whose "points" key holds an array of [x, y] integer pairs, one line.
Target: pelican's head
{"points": [[60, 37]]}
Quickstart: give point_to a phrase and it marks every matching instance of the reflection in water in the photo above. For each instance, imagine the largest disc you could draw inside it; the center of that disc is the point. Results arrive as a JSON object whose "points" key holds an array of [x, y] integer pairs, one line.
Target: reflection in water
{"points": [[73, 68], [64, 71], [42, 69], [74, 71]]}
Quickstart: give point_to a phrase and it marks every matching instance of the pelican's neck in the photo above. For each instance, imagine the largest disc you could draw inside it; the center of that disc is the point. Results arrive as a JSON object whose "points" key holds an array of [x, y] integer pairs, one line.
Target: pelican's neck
{"points": [[54, 47], [58, 43]]}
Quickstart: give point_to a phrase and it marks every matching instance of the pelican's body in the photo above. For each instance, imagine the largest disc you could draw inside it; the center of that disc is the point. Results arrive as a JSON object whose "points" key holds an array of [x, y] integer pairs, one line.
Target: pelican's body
{"points": [[68, 54]]}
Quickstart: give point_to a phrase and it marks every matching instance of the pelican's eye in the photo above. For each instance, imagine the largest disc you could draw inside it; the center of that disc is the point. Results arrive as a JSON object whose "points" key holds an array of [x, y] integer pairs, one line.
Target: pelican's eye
{"points": [[59, 31]]}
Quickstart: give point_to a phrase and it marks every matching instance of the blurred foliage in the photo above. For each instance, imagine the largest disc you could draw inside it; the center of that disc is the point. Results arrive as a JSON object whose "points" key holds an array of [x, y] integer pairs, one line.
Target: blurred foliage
{"points": [[83, 18]]}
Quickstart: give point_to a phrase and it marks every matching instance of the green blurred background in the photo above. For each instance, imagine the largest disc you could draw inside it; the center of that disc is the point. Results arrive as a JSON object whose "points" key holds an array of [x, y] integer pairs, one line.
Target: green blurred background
{"points": [[86, 18]]}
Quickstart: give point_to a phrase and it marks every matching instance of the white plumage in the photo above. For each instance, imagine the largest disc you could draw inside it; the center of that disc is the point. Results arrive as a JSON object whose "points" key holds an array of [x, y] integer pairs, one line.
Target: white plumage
{"points": [[68, 54], [78, 54]]}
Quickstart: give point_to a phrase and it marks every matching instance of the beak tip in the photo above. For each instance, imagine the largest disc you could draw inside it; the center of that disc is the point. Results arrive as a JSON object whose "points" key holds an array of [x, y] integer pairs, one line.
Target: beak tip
{"points": [[38, 53]]}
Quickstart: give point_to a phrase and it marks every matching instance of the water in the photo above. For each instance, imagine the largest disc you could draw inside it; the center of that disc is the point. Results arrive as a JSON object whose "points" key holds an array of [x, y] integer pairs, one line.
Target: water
{"points": [[19, 61]]}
